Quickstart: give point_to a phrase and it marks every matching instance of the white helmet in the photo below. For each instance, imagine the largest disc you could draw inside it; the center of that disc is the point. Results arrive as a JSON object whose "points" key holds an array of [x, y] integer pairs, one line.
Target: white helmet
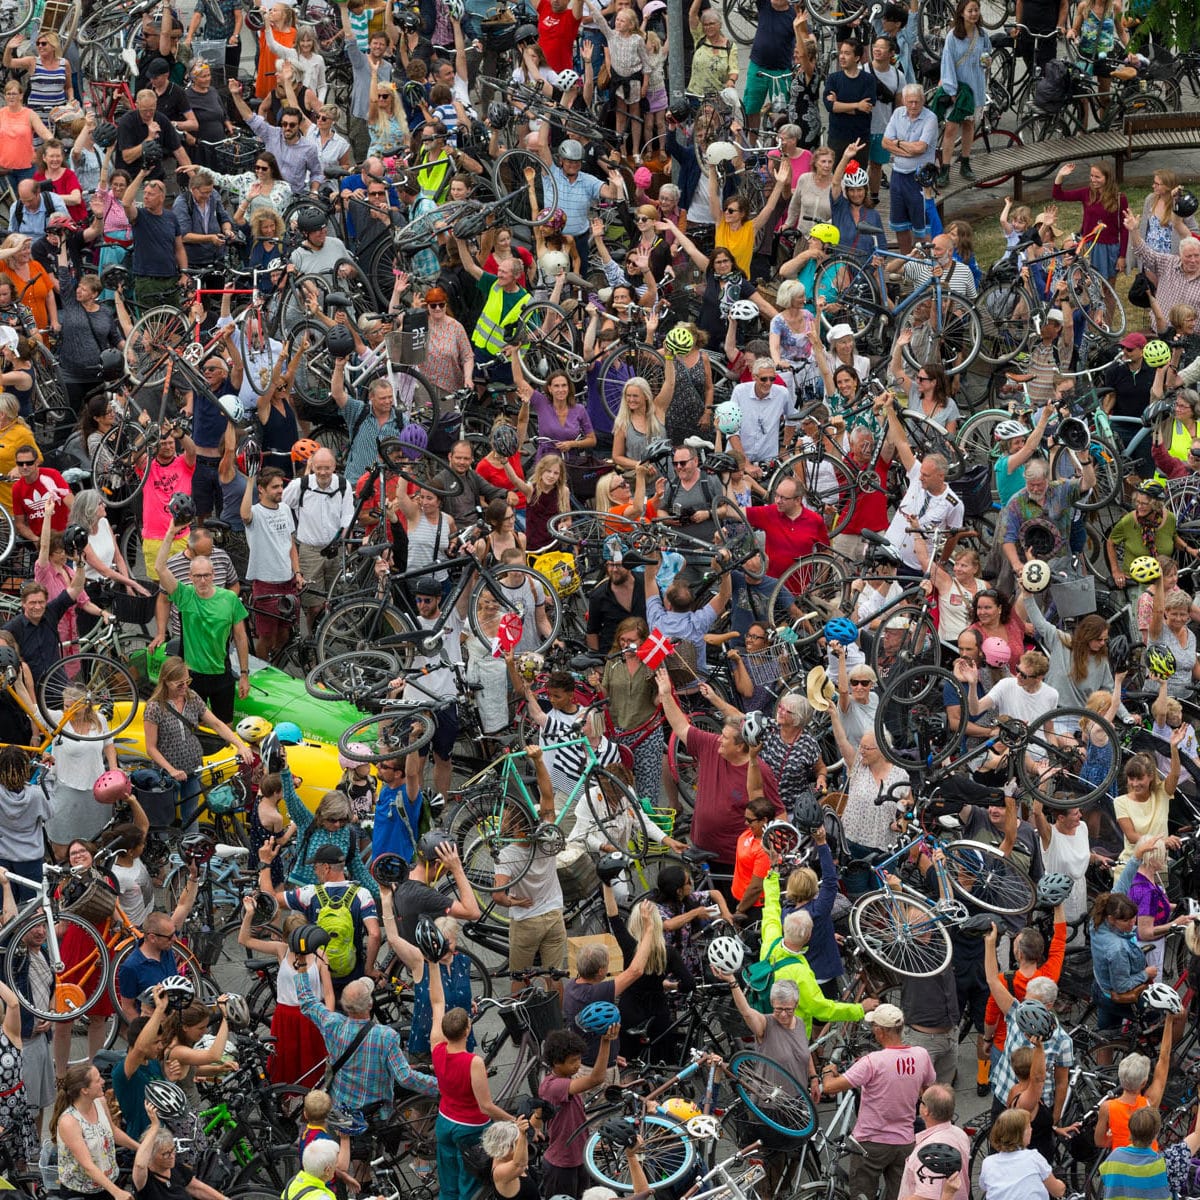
{"points": [[567, 80], [743, 310], [554, 263], [571, 150], [728, 417], [455, 9], [1035, 576], [726, 954], [719, 152], [1163, 997], [1009, 429], [855, 178]]}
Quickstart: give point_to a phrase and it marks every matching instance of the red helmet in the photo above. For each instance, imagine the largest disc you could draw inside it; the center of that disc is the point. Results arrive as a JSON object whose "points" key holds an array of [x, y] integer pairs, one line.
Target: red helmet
{"points": [[111, 787], [304, 449]]}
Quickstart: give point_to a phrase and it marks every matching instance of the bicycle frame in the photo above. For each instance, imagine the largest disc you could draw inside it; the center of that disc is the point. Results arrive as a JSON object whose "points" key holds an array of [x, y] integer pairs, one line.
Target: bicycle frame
{"points": [[41, 902]]}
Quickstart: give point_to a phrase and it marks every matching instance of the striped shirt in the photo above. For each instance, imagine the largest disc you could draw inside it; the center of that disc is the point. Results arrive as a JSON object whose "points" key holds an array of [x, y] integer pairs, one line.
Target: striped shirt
{"points": [[48, 87], [1135, 1173], [567, 765]]}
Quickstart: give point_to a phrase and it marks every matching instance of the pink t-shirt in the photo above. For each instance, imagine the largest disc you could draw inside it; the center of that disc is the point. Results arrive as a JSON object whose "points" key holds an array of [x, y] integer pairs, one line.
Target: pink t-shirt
{"points": [[915, 1183], [161, 484], [890, 1082], [53, 581]]}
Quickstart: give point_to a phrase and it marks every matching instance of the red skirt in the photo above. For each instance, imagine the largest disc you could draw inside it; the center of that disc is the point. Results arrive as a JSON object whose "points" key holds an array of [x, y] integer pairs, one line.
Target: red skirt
{"points": [[299, 1048], [75, 946]]}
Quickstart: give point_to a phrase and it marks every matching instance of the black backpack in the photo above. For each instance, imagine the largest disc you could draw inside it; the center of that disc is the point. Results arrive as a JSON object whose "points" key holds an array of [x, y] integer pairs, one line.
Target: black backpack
{"points": [[1052, 92]]}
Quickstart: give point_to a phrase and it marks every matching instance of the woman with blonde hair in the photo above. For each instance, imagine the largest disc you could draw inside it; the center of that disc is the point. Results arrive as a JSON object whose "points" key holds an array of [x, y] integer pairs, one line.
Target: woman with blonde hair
{"points": [[1143, 881], [86, 1136], [546, 494], [50, 84], [792, 329], [33, 285], [107, 569], [77, 765], [1177, 433], [333, 148], [14, 434], [639, 421], [385, 117], [1157, 225], [18, 124], [1013, 1166]]}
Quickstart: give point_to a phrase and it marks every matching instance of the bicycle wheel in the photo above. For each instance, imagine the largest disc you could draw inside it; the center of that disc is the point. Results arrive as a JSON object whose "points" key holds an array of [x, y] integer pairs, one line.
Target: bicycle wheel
{"points": [[772, 1094], [908, 639], [901, 932], [928, 437], [360, 675], [88, 681], [608, 799], [830, 485], [52, 409], [268, 1172], [152, 336], [1004, 309], [1058, 782], [8, 534], [741, 19], [360, 625], [521, 592], [1110, 473], [951, 340], [76, 987], [817, 585], [976, 441], [622, 364], [667, 1155], [911, 726], [934, 19], [993, 140], [1094, 297], [387, 735], [259, 352], [547, 340], [508, 175], [832, 13], [584, 527], [119, 463], [1043, 127], [850, 295], [984, 877], [493, 830]]}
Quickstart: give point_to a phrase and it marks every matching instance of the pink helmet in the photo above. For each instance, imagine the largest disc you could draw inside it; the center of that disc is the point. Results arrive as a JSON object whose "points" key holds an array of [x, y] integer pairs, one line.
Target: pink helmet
{"points": [[346, 762], [642, 177], [996, 652], [554, 219], [111, 787]]}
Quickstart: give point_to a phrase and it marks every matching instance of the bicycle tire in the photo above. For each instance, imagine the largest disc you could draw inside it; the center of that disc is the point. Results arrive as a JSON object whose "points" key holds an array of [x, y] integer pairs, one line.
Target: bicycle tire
{"points": [[420, 467], [612, 825], [360, 625], [513, 601], [623, 363], [1004, 309], [816, 583], [741, 19], [68, 998], [585, 527], [548, 340], [115, 462], [918, 644], [851, 297], [927, 436], [997, 884], [267, 1174], [1090, 292], [832, 14], [359, 675], [829, 484], [667, 1155], [152, 336], [104, 682], [953, 344], [934, 17], [683, 766], [1075, 790], [773, 1094], [485, 826], [976, 441], [257, 370], [508, 175], [1109, 468], [8, 534], [911, 727], [993, 140], [902, 933], [387, 735]]}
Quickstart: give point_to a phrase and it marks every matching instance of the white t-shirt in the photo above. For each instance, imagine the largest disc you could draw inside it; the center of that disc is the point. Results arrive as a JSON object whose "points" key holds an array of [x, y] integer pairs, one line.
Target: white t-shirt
{"points": [[440, 680], [1012, 700], [931, 513], [1015, 1175], [540, 883], [104, 545], [137, 891], [269, 536]]}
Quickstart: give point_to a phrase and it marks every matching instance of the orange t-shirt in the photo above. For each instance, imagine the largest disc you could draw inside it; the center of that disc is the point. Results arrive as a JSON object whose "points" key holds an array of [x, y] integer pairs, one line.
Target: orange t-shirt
{"points": [[1052, 969], [750, 862], [1118, 1122], [264, 81]]}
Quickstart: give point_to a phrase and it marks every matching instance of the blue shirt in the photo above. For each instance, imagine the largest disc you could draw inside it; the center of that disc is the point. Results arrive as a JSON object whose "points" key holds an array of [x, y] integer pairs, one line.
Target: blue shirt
{"points": [[397, 819], [33, 224], [905, 129], [139, 973], [130, 1091], [576, 198]]}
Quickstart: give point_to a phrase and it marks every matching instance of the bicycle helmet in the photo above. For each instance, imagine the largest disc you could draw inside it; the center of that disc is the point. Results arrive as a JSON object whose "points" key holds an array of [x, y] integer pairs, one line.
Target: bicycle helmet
{"points": [[855, 176], [197, 848], [112, 785], [609, 866], [304, 449], [339, 1120], [272, 753], [841, 630], [1145, 569], [427, 847], [680, 111], [75, 540], [339, 341], [361, 752], [1053, 888], [1073, 434], [504, 441], [597, 1017], [1032, 1018], [997, 652], [1151, 489], [979, 925], [753, 728], [289, 733], [824, 232], [1162, 997], [1041, 538], [455, 9], [553, 219], [182, 507], [112, 365], [570, 150], [808, 812], [620, 1131], [266, 907], [498, 114], [679, 341], [781, 837], [743, 310], [1156, 354], [389, 868], [554, 263], [1186, 204], [105, 135], [414, 437], [152, 154], [309, 220], [408, 21], [939, 1160], [430, 940], [237, 1011], [252, 730], [307, 939], [168, 1098], [1006, 430], [719, 152], [1120, 654], [567, 80], [728, 417], [726, 954], [1035, 576], [1160, 662], [681, 1109], [180, 992]]}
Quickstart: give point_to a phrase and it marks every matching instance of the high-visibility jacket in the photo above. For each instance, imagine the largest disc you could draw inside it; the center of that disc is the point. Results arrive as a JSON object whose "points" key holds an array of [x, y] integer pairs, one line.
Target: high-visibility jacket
{"points": [[489, 331]]}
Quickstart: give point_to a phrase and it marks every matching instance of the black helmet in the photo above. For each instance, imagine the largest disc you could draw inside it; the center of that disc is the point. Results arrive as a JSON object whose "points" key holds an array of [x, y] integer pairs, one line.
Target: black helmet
{"points": [[807, 812], [105, 135], [152, 154], [504, 441], [309, 220], [926, 176], [266, 907], [75, 540], [526, 33], [182, 507], [680, 110], [498, 114], [389, 868], [408, 20], [427, 847], [620, 1131], [979, 925], [939, 1160], [430, 940], [112, 365], [307, 939], [1119, 653], [1186, 204], [339, 341], [10, 660], [609, 866]]}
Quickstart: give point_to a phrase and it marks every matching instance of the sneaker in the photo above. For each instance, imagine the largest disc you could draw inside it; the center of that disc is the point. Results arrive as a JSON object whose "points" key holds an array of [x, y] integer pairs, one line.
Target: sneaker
{"points": [[982, 1089], [943, 177], [883, 181], [964, 169]]}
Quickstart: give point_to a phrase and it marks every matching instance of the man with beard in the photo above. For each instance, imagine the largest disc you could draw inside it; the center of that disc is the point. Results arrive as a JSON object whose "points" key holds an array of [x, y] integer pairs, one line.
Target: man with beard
{"points": [[621, 594]]}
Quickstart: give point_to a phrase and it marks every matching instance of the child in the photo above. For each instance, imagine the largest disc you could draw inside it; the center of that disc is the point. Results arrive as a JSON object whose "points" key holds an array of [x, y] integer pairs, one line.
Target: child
{"points": [[656, 88], [360, 22], [266, 821], [318, 1104], [964, 247], [1137, 1167], [1014, 223], [1168, 717], [1099, 749], [359, 783]]}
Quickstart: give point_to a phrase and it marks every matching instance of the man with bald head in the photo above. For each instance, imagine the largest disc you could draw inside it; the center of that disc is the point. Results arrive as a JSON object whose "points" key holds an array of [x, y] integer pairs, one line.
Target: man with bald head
{"points": [[209, 617], [322, 504], [199, 545], [32, 209]]}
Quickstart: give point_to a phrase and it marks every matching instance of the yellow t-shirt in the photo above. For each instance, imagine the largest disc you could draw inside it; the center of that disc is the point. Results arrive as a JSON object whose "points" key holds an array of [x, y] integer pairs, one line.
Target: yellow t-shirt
{"points": [[15, 436], [1148, 816], [740, 243]]}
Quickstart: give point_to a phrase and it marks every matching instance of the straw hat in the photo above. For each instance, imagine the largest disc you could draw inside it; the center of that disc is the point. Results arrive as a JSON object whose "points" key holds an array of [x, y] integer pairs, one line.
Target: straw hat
{"points": [[820, 689]]}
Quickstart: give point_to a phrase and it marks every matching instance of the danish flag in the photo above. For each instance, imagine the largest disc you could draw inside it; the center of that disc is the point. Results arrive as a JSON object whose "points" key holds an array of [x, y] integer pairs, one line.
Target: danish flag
{"points": [[507, 635], [655, 650]]}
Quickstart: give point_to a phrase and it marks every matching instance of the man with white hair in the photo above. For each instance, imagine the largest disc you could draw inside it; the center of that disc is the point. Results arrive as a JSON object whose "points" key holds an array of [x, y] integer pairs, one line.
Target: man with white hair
{"points": [[765, 404], [870, 510], [367, 1059], [911, 139], [1178, 274], [322, 505], [318, 1165]]}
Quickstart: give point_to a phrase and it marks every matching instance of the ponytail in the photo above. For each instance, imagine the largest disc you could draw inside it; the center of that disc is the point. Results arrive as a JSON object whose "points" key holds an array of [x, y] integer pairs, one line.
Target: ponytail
{"points": [[1112, 904], [70, 1086]]}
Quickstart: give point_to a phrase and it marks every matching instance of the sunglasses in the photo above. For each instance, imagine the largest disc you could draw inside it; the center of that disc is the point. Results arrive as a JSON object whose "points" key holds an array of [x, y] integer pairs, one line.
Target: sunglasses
{"points": [[680, 462], [289, 125], [377, 193], [436, 304], [734, 209], [766, 378], [261, 167], [384, 96], [26, 462], [427, 599], [1022, 675]]}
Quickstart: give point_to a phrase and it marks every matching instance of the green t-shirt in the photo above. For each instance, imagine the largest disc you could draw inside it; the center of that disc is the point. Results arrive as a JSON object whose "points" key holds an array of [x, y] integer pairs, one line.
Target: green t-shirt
{"points": [[507, 299], [207, 625], [1130, 542]]}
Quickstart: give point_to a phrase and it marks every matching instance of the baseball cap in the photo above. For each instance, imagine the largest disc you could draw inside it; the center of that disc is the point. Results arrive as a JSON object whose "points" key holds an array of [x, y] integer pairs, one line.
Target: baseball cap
{"points": [[158, 66], [1054, 314], [427, 587], [886, 1015], [1133, 341], [329, 854]]}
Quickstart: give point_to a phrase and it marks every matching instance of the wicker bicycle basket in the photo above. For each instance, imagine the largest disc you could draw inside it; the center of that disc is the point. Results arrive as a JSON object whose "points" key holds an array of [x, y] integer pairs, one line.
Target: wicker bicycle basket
{"points": [[90, 898]]}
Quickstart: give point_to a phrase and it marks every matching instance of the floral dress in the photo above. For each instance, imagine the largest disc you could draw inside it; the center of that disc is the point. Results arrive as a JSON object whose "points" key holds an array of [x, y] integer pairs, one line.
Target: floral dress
{"points": [[456, 983], [686, 939], [686, 409], [15, 1113]]}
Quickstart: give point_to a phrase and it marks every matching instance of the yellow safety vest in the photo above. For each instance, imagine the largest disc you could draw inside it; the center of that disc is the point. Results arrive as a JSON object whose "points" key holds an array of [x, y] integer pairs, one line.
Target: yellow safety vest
{"points": [[489, 332]]}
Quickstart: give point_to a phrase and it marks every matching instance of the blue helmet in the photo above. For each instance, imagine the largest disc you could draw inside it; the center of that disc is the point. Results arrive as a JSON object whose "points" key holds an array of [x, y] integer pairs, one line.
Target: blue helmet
{"points": [[598, 1016], [839, 629], [289, 733]]}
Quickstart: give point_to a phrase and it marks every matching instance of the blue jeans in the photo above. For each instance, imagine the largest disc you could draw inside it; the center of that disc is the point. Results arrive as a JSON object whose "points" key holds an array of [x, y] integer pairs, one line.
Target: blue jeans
{"points": [[189, 801], [455, 1181]]}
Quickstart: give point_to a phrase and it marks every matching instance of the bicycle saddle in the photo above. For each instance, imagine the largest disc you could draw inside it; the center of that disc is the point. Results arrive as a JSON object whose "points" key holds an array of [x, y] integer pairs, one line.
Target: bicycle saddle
{"points": [[213, 525], [261, 964], [585, 662], [693, 854], [875, 539], [373, 551], [338, 300]]}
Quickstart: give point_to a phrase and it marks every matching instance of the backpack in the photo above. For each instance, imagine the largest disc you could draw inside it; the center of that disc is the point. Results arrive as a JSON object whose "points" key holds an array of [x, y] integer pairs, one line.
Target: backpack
{"points": [[1052, 92], [334, 916], [304, 487], [759, 977]]}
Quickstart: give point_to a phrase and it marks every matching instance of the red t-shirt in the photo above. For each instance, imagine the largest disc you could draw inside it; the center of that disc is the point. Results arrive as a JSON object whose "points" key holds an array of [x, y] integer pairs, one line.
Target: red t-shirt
{"points": [[29, 500], [557, 32], [787, 540], [497, 477], [870, 511], [719, 817], [64, 185], [492, 264]]}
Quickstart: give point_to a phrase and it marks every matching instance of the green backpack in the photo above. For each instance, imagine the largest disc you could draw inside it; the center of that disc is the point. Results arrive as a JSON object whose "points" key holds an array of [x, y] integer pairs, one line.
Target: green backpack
{"points": [[335, 917], [759, 977]]}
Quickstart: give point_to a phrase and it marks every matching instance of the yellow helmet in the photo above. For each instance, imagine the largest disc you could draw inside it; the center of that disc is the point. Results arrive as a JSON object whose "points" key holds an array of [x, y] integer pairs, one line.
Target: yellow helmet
{"points": [[1145, 569], [824, 232], [681, 1109]]}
